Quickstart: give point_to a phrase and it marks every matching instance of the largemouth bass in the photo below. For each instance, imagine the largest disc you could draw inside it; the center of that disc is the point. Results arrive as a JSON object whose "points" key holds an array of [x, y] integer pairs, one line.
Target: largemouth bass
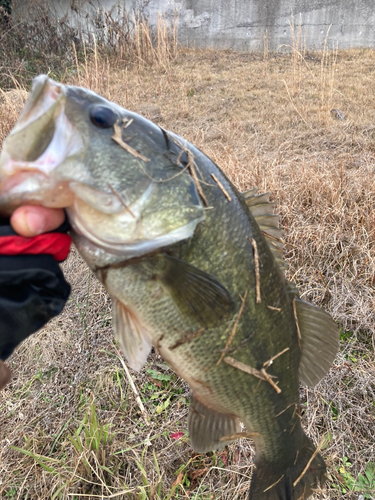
{"points": [[193, 267]]}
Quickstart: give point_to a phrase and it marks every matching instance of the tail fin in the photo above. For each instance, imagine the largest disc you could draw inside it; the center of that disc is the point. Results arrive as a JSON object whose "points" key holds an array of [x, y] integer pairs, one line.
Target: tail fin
{"points": [[269, 482]]}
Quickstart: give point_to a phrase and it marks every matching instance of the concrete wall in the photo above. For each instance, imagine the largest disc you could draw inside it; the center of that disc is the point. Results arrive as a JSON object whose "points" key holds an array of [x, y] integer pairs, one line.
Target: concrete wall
{"points": [[241, 24]]}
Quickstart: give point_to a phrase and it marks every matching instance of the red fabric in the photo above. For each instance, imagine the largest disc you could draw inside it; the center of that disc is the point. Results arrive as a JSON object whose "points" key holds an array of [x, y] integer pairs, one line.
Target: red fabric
{"points": [[55, 244]]}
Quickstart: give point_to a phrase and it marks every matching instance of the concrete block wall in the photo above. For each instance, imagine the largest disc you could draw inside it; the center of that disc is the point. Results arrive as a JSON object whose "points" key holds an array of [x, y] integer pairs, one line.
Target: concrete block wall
{"points": [[242, 24]]}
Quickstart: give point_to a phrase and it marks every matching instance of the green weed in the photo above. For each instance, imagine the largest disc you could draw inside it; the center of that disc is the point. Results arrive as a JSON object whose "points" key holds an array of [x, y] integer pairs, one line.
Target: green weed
{"points": [[95, 434], [364, 484]]}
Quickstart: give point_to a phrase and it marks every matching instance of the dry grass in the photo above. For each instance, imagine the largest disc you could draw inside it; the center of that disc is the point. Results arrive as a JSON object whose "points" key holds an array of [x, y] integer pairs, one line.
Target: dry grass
{"points": [[42, 38], [266, 121]]}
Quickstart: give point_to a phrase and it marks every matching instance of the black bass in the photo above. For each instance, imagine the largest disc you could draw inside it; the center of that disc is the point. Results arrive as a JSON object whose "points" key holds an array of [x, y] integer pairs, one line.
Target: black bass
{"points": [[193, 267]]}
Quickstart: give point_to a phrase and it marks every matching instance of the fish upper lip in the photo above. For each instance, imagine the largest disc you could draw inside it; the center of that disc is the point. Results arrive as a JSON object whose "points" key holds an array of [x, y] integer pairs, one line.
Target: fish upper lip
{"points": [[52, 92], [65, 141]]}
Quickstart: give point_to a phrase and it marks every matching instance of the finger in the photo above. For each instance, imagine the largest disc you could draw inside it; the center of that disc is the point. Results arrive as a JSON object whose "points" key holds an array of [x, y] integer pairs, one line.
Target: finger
{"points": [[5, 375], [32, 220]]}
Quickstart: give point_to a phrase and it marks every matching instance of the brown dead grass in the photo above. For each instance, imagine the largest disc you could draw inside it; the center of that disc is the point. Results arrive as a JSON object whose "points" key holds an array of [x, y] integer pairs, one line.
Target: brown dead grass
{"points": [[267, 122]]}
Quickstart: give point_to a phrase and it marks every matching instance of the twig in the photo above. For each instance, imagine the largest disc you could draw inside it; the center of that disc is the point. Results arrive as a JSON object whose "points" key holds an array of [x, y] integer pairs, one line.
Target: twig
{"points": [[274, 308], [221, 187], [196, 180], [135, 390], [117, 137], [322, 278], [120, 199], [274, 484], [309, 462], [271, 360], [233, 332], [296, 320], [285, 409], [257, 272], [127, 122], [269, 380], [239, 435], [261, 374], [276, 241], [191, 165], [360, 271], [114, 495]]}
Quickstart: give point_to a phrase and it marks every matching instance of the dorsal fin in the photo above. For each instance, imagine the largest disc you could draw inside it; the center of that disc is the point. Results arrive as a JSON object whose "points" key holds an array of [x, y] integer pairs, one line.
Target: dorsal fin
{"points": [[319, 341], [262, 211], [319, 334]]}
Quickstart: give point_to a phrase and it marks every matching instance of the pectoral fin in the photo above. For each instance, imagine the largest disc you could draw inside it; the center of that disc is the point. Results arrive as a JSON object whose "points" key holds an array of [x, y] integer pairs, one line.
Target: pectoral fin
{"points": [[319, 341], [207, 427], [196, 293], [134, 340]]}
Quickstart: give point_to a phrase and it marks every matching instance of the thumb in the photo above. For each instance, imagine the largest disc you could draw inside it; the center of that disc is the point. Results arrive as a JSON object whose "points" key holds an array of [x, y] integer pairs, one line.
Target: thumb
{"points": [[5, 374], [33, 220]]}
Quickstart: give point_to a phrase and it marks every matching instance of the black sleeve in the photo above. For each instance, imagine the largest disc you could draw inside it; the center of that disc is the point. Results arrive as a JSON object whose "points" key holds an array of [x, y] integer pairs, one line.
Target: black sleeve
{"points": [[32, 291]]}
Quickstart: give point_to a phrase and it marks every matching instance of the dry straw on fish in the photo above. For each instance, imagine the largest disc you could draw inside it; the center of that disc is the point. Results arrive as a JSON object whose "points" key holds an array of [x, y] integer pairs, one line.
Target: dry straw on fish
{"points": [[233, 332], [221, 187], [69, 383], [261, 374], [117, 137], [257, 270]]}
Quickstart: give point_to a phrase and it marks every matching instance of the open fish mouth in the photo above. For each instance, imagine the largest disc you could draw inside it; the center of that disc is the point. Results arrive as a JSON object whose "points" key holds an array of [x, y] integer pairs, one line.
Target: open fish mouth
{"points": [[47, 158], [43, 136], [41, 140]]}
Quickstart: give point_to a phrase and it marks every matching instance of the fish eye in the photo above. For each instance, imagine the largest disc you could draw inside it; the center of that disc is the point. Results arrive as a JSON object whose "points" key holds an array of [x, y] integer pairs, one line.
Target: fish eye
{"points": [[102, 117]]}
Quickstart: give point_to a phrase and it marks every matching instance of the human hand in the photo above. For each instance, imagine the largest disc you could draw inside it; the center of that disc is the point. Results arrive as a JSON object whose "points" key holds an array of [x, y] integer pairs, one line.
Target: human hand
{"points": [[29, 221]]}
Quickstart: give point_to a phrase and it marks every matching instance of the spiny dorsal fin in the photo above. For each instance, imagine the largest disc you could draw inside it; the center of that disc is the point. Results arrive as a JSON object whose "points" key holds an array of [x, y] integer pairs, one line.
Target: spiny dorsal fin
{"points": [[319, 339], [262, 211]]}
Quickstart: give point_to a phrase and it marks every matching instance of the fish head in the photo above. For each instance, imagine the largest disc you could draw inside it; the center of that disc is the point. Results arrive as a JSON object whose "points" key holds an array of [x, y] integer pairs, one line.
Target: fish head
{"points": [[124, 188]]}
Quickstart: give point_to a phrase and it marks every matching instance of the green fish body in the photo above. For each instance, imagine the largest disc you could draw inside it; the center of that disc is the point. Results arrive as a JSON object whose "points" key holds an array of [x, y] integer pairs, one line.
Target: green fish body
{"points": [[193, 267]]}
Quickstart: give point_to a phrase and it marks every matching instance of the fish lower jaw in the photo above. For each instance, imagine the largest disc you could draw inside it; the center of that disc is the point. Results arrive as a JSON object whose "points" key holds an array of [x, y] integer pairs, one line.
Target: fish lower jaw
{"points": [[132, 245]]}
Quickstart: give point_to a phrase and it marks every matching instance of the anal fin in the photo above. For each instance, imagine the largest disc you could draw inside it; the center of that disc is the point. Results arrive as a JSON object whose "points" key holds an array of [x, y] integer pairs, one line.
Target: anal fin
{"points": [[207, 427], [135, 341]]}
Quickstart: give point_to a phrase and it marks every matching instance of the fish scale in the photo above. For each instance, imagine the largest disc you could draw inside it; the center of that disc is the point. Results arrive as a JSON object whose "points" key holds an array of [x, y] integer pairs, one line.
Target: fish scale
{"points": [[193, 267]]}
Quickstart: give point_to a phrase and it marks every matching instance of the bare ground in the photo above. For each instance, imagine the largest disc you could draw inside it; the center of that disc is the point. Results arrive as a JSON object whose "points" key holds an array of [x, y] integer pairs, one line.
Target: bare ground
{"points": [[71, 426]]}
